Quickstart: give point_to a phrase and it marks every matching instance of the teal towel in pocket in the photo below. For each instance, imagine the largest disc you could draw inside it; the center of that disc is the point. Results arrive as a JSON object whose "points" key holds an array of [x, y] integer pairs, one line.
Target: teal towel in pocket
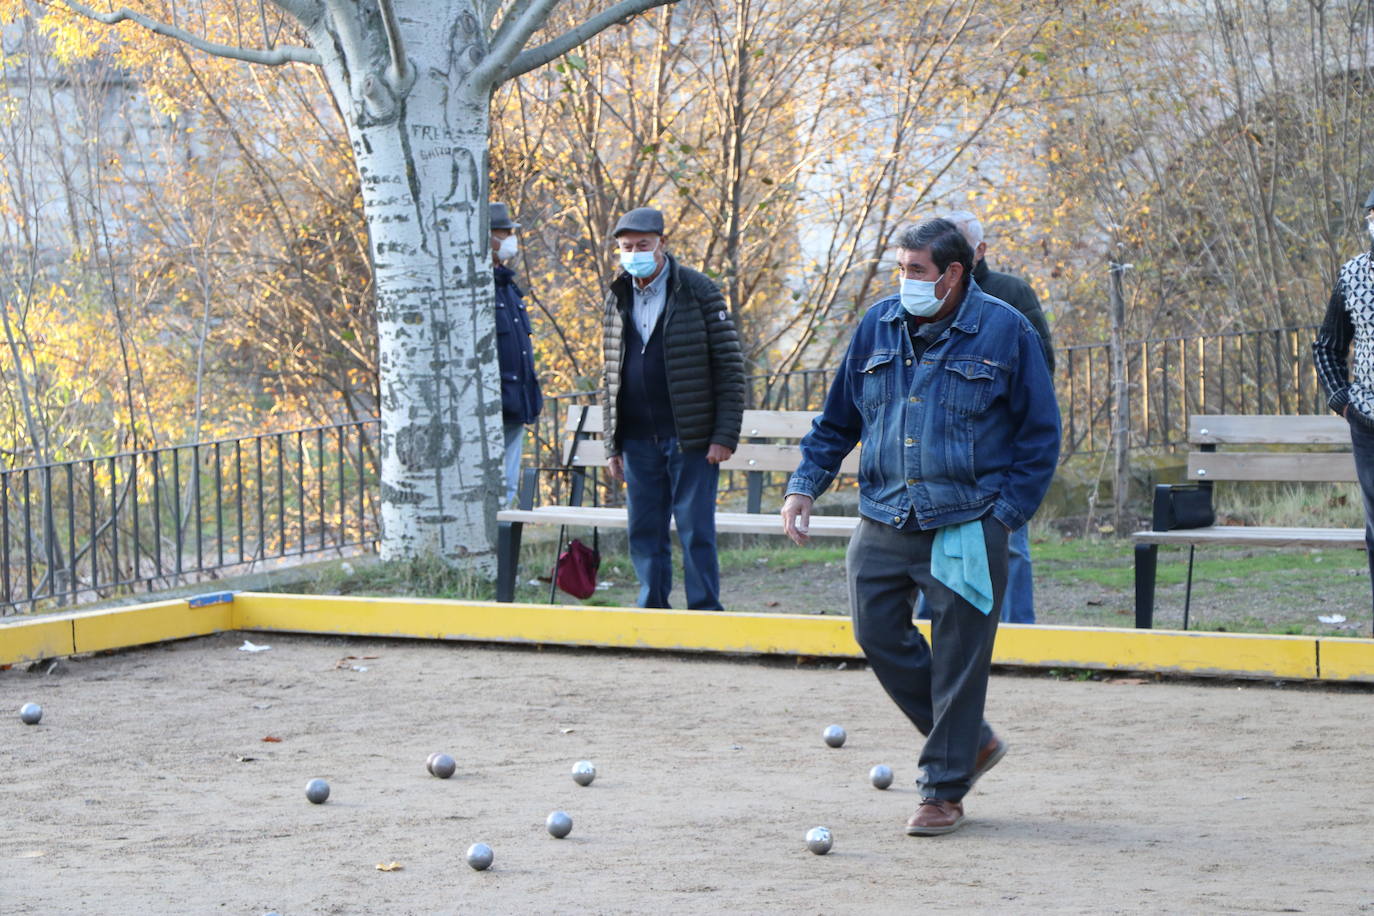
{"points": [[959, 560]]}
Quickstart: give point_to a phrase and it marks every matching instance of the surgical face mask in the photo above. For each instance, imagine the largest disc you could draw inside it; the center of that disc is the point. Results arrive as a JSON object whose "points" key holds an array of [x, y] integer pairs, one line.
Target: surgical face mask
{"points": [[638, 264], [508, 248], [918, 297], [1370, 227]]}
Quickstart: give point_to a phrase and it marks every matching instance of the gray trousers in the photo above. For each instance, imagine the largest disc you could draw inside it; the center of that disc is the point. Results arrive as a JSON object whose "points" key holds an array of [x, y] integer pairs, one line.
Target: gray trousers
{"points": [[941, 689]]}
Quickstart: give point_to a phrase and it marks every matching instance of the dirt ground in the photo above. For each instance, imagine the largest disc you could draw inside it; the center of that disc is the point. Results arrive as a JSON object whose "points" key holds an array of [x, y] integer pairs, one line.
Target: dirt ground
{"points": [[148, 788]]}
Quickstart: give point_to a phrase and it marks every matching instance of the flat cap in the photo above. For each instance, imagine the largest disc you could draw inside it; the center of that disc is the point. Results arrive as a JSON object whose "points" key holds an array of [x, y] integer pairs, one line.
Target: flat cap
{"points": [[640, 219], [500, 217]]}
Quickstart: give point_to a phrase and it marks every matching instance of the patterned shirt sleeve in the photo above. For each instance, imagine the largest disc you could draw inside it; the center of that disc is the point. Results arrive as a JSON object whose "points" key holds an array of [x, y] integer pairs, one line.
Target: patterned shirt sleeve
{"points": [[1331, 349]]}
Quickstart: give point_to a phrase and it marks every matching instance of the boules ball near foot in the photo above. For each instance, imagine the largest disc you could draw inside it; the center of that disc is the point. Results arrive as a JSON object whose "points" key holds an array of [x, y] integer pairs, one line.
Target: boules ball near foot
{"points": [[480, 856], [558, 824], [583, 772], [834, 735], [880, 776], [819, 840]]}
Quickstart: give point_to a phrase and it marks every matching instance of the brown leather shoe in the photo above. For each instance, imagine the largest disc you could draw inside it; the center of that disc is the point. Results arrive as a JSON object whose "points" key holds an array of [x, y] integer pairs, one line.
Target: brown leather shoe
{"points": [[988, 756], [934, 817]]}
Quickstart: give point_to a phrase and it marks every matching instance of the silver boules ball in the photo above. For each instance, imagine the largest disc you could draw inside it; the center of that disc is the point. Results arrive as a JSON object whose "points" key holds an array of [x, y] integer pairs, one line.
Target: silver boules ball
{"points": [[880, 776], [819, 840], [583, 772], [429, 763], [30, 713], [480, 856], [443, 766], [317, 790], [834, 735], [559, 824]]}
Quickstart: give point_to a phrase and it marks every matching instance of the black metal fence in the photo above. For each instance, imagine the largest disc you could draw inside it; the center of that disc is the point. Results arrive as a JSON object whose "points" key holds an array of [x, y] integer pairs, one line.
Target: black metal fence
{"points": [[79, 531], [82, 530]]}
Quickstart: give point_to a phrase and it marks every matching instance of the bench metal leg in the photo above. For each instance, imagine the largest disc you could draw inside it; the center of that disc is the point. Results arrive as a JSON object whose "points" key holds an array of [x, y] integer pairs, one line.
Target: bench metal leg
{"points": [[1146, 562], [1188, 592], [507, 558]]}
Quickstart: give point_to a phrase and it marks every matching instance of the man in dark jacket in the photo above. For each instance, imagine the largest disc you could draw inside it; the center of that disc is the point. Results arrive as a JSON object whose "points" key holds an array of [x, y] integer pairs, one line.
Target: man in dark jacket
{"points": [[673, 401], [1349, 385], [521, 399], [1018, 605]]}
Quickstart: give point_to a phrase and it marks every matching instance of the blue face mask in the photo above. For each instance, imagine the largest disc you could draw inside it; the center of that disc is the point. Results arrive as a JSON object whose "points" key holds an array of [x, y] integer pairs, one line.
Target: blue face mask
{"points": [[638, 264], [918, 297]]}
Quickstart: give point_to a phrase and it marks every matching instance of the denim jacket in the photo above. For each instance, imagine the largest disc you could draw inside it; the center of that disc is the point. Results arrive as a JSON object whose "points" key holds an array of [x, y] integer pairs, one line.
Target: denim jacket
{"points": [[971, 426]]}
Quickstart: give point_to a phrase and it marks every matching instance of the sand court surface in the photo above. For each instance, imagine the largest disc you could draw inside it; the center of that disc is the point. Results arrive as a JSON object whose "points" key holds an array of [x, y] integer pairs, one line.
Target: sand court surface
{"points": [[148, 787]]}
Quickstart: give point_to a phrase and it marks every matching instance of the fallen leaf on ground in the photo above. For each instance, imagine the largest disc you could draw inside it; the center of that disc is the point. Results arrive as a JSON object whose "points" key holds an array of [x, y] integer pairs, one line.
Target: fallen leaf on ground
{"points": [[244, 759], [272, 739], [771, 603], [250, 647], [566, 731], [1128, 681], [390, 866]]}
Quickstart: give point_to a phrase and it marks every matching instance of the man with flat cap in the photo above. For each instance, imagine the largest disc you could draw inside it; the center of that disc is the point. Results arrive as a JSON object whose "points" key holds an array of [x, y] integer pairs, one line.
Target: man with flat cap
{"points": [[673, 400], [521, 399], [1349, 384]]}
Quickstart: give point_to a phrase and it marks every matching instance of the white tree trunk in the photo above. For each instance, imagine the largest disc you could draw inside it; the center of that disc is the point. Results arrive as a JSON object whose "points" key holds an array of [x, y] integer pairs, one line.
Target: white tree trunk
{"points": [[422, 159]]}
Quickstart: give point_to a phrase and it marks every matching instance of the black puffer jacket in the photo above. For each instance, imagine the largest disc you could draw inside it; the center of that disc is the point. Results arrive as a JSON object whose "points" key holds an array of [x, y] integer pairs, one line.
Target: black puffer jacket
{"points": [[701, 354]]}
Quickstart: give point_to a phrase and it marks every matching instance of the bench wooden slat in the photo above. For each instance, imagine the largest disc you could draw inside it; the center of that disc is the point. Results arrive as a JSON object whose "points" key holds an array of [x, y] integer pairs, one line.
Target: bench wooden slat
{"points": [[1239, 429], [747, 457], [1268, 537], [731, 522], [766, 424], [1326, 467]]}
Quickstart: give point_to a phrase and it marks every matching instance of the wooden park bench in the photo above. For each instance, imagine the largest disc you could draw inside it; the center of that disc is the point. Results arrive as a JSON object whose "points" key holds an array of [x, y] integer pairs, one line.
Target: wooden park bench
{"points": [[769, 441], [1304, 449]]}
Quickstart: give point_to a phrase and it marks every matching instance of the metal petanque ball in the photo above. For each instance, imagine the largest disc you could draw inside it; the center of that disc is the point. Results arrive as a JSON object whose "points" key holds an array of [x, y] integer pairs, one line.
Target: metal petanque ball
{"points": [[834, 735], [559, 824], [880, 776], [30, 713], [480, 856], [443, 766], [429, 762], [317, 790], [819, 840], [583, 772]]}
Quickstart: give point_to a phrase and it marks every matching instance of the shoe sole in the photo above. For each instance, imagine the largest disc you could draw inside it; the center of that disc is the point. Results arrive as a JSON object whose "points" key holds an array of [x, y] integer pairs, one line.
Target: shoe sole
{"points": [[991, 762], [934, 831]]}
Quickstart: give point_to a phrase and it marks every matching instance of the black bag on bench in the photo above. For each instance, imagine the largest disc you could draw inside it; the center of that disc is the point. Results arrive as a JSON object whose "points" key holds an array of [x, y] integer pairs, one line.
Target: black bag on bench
{"points": [[1183, 505]]}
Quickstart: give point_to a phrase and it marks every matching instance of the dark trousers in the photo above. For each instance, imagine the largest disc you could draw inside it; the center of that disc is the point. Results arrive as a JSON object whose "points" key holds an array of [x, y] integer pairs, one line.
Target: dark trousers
{"points": [[941, 686], [664, 484], [1362, 442]]}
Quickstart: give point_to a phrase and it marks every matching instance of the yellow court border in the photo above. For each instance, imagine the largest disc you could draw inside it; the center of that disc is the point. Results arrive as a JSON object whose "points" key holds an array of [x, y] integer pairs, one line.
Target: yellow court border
{"points": [[1099, 648]]}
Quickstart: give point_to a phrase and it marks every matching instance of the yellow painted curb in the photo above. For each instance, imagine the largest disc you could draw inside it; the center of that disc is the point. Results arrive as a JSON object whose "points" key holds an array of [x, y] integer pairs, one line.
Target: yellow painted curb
{"points": [[52, 635], [1164, 651], [629, 628], [1346, 659], [28, 640], [1100, 648]]}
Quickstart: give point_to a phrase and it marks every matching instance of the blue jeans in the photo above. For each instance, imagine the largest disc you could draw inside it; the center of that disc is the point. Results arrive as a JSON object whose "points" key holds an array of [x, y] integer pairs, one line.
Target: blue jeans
{"points": [[1018, 604], [663, 483], [515, 443]]}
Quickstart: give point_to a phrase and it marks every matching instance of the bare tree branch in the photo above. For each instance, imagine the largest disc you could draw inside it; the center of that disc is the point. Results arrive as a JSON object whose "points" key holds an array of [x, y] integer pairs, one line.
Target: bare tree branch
{"points": [[285, 54], [579, 34], [510, 39], [399, 75]]}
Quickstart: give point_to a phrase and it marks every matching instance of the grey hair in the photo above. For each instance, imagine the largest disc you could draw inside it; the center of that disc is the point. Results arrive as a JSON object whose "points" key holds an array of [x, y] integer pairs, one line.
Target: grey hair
{"points": [[968, 224]]}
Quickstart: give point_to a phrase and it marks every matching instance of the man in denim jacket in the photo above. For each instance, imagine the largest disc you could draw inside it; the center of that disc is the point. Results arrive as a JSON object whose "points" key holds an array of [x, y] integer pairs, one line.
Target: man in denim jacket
{"points": [[948, 392]]}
